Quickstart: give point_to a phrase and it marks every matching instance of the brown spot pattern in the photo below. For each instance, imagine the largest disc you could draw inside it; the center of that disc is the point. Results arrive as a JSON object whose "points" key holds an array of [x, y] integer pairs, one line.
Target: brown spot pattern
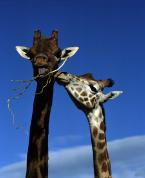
{"points": [[83, 93], [102, 126], [102, 157], [88, 104], [90, 96], [81, 99], [104, 167], [85, 99], [79, 89], [78, 79], [101, 136], [100, 145], [95, 131], [72, 88], [92, 100], [76, 95]]}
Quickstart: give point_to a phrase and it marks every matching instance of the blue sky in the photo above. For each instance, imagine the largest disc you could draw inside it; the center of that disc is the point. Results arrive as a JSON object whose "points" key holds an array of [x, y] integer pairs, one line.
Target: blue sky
{"points": [[111, 37]]}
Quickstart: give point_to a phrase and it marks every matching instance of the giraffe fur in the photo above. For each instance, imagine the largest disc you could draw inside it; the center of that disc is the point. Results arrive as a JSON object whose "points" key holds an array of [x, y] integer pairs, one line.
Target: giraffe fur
{"points": [[87, 94]]}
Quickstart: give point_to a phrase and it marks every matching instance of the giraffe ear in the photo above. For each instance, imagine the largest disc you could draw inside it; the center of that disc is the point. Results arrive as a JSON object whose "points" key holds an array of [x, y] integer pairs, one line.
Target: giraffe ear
{"points": [[23, 51], [115, 94], [68, 52]]}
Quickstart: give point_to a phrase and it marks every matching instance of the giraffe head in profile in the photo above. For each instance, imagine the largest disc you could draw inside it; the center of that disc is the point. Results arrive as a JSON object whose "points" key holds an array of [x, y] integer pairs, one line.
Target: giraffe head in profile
{"points": [[87, 94], [85, 91], [45, 54]]}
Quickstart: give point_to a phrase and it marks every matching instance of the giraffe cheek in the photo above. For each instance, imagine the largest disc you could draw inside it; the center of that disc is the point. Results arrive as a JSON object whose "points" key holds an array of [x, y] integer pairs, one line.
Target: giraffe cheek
{"points": [[85, 99], [88, 105], [81, 99], [83, 94], [93, 101], [79, 89]]}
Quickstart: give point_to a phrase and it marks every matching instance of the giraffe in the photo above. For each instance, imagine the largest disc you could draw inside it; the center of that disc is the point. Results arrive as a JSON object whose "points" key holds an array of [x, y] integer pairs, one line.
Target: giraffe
{"points": [[45, 56], [87, 94]]}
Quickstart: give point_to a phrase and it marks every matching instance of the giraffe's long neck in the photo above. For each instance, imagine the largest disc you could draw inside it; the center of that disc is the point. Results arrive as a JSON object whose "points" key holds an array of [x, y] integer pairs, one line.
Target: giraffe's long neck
{"points": [[37, 156], [102, 167]]}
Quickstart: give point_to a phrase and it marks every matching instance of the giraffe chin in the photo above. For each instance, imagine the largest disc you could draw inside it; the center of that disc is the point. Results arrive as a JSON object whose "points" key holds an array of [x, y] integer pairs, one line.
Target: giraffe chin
{"points": [[42, 71]]}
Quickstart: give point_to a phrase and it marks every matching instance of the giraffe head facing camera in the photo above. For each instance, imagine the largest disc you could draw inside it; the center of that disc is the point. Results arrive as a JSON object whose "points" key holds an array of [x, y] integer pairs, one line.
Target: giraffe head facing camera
{"points": [[45, 54]]}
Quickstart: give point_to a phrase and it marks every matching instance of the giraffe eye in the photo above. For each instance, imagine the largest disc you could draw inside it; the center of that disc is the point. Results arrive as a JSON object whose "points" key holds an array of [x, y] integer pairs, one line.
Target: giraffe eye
{"points": [[93, 88]]}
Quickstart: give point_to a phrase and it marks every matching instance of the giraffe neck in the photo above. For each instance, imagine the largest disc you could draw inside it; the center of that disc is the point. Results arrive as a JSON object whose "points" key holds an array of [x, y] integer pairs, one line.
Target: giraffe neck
{"points": [[102, 167], [37, 156]]}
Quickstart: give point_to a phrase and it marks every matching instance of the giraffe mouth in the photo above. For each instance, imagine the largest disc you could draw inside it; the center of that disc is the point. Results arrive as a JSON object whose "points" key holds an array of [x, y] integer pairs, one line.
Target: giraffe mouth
{"points": [[42, 71]]}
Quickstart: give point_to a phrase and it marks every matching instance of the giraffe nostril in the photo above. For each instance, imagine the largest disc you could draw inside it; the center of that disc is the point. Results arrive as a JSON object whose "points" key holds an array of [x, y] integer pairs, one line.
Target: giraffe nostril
{"points": [[44, 58]]}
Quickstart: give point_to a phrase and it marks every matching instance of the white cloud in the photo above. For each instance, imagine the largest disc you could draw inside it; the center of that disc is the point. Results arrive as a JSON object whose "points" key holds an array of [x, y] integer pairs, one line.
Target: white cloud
{"points": [[61, 140], [127, 158], [16, 170]]}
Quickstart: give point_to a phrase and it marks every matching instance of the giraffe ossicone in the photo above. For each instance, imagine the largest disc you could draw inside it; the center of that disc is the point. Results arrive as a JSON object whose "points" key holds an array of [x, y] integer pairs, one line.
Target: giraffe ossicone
{"points": [[87, 94]]}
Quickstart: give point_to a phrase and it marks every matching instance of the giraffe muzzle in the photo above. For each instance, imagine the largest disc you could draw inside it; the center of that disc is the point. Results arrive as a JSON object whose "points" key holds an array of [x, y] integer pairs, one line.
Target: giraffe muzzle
{"points": [[43, 71]]}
